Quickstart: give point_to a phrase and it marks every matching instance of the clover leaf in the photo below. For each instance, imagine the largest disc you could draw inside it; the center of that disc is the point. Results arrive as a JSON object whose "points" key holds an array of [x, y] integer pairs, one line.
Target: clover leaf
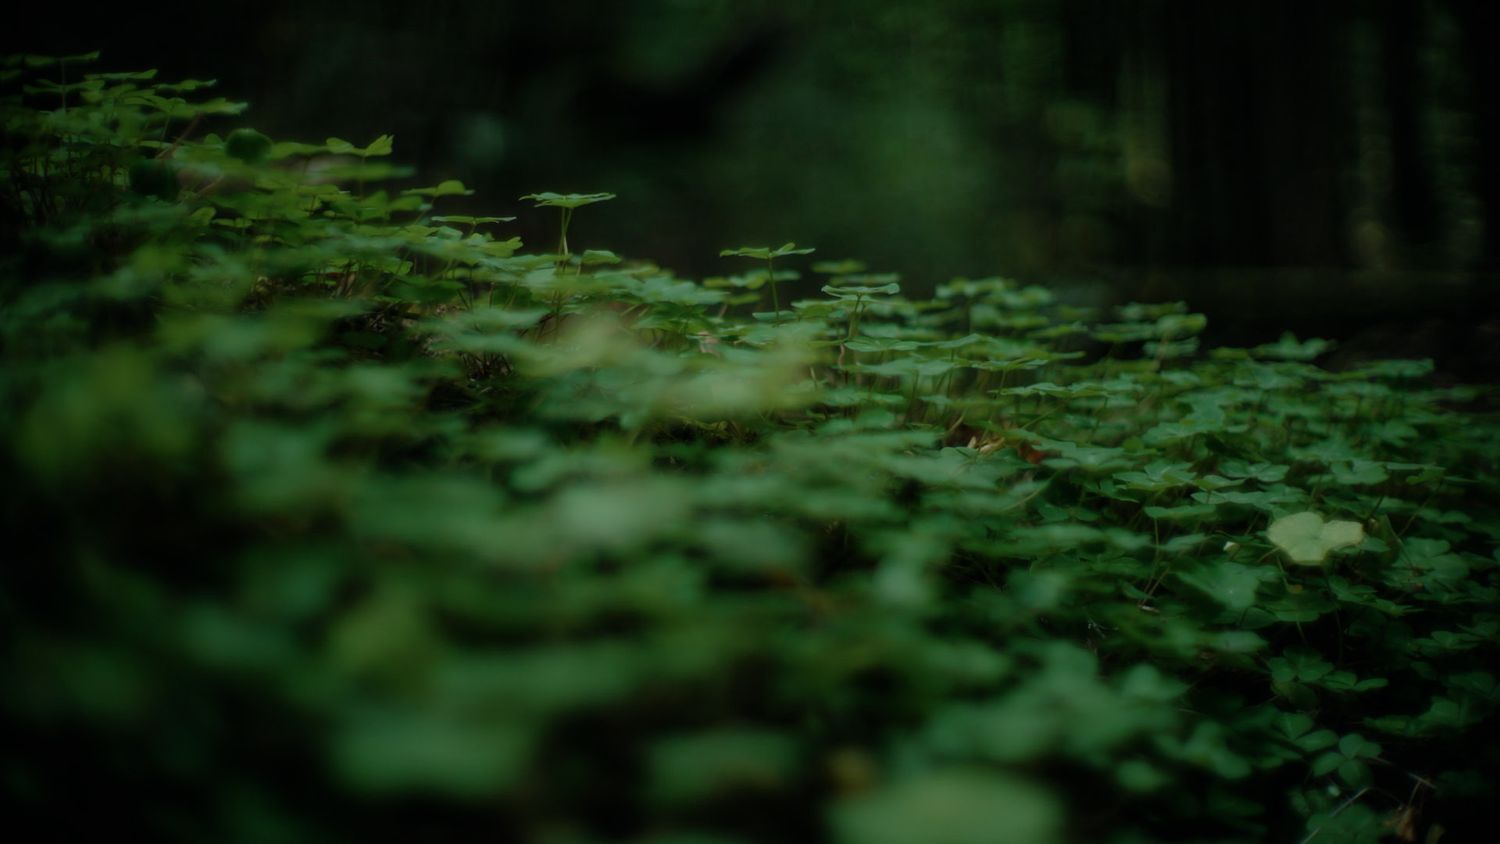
{"points": [[548, 199], [1307, 539]]}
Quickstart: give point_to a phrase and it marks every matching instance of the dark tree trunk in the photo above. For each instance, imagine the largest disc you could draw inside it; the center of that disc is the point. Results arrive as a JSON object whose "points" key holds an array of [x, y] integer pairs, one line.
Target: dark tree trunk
{"points": [[1306, 113], [1258, 129], [1215, 216], [1478, 23], [1414, 204]]}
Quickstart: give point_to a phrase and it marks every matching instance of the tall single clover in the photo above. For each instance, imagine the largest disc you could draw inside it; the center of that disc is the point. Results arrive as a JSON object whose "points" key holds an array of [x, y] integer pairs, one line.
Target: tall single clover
{"points": [[568, 202], [769, 255], [381, 146], [858, 289]]}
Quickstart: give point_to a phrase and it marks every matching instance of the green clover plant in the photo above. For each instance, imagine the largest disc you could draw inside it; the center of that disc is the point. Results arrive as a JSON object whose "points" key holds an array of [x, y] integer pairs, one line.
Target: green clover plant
{"points": [[331, 516]]}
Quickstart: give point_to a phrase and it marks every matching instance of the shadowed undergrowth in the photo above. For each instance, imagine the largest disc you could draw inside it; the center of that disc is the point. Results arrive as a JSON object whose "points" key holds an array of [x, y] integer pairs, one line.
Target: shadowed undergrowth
{"points": [[334, 515]]}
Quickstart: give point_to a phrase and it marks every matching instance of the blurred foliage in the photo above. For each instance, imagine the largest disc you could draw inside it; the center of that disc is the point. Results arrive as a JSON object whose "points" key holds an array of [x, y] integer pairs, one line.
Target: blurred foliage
{"points": [[332, 514], [1070, 139]]}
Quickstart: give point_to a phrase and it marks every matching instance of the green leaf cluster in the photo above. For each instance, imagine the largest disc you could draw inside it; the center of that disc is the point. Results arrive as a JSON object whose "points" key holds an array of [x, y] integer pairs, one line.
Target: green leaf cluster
{"points": [[332, 513]]}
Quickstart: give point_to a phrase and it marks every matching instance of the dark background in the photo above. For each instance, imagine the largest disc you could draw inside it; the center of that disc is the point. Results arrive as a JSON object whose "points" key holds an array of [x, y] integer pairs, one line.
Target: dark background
{"points": [[1329, 167]]}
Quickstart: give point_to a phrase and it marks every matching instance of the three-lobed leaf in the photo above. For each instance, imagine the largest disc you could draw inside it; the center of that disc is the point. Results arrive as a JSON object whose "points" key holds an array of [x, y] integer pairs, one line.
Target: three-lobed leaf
{"points": [[1308, 540], [765, 253], [549, 199]]}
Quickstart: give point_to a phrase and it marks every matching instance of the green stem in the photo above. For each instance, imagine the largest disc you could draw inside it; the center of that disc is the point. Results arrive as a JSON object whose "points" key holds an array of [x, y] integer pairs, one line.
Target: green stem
{"points": [[771, 281], [854, 319], [562, 240]]}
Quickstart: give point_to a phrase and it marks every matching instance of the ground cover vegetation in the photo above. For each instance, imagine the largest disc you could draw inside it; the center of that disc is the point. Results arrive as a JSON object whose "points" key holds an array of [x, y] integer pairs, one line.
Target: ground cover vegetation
{"points": [[333, 515]]}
